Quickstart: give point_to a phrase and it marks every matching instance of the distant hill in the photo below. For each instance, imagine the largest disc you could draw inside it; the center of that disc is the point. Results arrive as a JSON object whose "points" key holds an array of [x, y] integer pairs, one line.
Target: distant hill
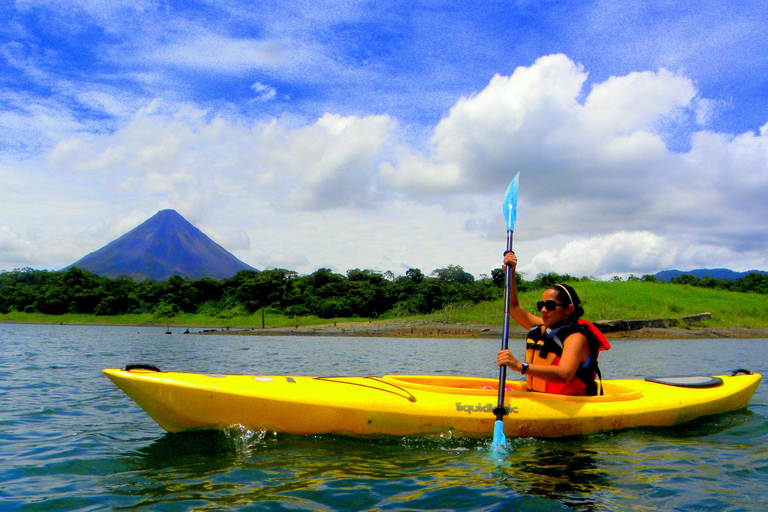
{"points": [[717, 273], [165, 245]]}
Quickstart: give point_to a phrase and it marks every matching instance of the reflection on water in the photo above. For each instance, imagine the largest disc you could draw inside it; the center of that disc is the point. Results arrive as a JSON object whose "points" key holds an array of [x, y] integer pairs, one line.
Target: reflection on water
{"points": [[566, 473], [238, 467]]}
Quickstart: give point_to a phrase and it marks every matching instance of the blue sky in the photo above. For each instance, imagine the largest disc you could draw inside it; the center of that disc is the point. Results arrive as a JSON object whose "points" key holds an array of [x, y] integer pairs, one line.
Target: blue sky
{"points": [[383, 134]]}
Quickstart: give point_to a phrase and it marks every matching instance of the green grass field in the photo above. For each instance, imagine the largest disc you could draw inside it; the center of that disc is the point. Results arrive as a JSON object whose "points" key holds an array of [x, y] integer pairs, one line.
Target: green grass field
{"points": [[190, 320], [601, 300], [629, 300]]}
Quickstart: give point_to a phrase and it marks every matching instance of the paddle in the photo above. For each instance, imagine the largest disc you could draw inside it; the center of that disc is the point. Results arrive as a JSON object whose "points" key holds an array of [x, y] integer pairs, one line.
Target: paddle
{"points": [[510, 214]]}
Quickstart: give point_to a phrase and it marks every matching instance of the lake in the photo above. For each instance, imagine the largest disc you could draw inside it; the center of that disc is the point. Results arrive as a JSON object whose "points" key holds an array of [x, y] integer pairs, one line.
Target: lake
{"points": [[70, 440]]}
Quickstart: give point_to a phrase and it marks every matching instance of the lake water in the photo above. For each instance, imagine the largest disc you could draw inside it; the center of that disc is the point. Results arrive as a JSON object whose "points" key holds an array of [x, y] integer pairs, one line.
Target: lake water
{"points": [[70, 440]]}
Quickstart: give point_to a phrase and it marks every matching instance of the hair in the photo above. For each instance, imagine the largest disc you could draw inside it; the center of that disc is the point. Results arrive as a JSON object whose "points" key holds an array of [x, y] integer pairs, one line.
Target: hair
{"points": [[568, 295]]}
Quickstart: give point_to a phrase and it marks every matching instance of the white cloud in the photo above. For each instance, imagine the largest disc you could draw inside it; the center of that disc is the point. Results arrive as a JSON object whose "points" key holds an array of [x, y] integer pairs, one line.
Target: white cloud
{"points": [[327, 164], [488, 137], [634, 252], [193, 159], [639, 252], [726, 179], [627, 104], [596, 166], [398, 236], [263, 92], [214, 52], [232, 240], [287, 260], [533, 122], [15, 248]]}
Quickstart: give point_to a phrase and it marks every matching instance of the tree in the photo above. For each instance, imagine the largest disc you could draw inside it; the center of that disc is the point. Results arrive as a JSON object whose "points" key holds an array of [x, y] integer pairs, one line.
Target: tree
{"points": [[323, 276], [686, 279], [551, 279], [178, 291], [370, 276], [499, 277], [453, 274], [415, 275], [262, 289]]}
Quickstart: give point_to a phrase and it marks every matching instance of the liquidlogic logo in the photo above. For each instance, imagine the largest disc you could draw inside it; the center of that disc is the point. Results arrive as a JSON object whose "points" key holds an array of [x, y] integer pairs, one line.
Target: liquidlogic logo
{"points": [[469, 409]]}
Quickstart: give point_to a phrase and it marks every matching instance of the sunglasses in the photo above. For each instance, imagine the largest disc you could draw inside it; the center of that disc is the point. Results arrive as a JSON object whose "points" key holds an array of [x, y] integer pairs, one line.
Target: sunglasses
{"points": [[550, 305]]}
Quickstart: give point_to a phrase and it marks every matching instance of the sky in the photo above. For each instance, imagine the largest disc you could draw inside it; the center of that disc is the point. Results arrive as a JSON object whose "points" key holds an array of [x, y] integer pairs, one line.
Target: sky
{"points": [[382, 135]]}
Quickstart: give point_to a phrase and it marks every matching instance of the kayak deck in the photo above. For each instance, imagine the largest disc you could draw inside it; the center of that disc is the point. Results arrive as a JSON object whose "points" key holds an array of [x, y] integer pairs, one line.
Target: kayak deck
{"points": [[408, 405]]}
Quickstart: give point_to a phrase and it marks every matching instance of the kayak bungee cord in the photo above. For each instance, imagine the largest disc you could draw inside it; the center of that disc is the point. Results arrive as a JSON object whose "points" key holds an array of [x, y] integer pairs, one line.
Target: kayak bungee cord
{"points": [[410, 397]]}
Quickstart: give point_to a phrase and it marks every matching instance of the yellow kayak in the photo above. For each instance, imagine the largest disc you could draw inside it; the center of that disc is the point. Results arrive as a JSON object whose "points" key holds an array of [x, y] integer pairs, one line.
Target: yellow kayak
{"points": [[411, 405]]}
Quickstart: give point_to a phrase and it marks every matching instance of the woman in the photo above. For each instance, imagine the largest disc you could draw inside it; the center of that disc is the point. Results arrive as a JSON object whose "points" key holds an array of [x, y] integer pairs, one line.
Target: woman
{"points": [[561, 351]]}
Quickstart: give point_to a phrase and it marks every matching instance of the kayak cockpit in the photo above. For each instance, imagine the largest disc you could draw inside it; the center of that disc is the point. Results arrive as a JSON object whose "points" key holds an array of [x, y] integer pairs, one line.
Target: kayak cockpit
{"points": [[612, 391]]}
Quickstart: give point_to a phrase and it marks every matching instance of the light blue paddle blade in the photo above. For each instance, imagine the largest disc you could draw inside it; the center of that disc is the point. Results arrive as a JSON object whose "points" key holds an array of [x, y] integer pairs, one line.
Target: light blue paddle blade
{"points": [[499, 439], [510, 203]]}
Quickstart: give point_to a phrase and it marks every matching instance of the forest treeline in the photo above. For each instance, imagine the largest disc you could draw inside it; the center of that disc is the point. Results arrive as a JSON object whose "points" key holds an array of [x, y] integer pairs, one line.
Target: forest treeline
{"points": [[754, 282], [359, 293]]}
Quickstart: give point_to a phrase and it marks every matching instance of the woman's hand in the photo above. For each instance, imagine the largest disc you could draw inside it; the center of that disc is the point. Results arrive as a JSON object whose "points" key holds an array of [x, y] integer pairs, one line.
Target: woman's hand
{"points": [[505, 358], [510, 259]]}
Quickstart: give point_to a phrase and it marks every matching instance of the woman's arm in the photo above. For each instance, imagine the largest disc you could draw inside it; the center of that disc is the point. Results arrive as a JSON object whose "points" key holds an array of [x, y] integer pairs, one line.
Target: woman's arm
{"points": [[516, 311]]}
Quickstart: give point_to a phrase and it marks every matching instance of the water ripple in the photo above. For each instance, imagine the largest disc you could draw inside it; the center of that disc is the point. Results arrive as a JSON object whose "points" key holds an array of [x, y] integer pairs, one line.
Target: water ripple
{"points": [[70, 440]]}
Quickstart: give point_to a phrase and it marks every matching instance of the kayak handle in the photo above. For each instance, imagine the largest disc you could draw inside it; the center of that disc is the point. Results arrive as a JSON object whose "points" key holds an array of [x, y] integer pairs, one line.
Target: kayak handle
{"points": [[140, 366]]}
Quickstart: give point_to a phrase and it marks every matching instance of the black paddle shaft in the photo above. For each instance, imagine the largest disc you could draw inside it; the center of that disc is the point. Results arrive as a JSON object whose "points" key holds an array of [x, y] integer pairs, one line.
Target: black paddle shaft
{"points": [[500, 410]]}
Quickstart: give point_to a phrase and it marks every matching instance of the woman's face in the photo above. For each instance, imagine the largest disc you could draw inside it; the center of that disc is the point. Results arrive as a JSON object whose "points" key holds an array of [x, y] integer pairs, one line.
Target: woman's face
{"points": [[559, 314]]}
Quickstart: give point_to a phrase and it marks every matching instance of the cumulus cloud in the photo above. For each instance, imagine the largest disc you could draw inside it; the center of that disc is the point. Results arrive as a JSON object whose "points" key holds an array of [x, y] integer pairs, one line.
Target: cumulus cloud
{"points": [[169, 154], [621, 252], [15, 248], [638, 252], [627, 104], [594, 163], [331, 162], [193, 159], [487, 137], [724, 179], [533, 121]]}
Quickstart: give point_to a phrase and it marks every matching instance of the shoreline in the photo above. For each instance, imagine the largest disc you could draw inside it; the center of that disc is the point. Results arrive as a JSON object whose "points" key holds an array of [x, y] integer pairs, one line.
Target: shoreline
{"points": [[432, 329], [422, 329]]}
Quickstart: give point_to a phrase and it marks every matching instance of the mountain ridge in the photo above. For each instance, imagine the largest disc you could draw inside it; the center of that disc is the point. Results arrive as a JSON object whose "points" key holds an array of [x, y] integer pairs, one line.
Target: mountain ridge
{"points": [[164, 245], [716, 273]]}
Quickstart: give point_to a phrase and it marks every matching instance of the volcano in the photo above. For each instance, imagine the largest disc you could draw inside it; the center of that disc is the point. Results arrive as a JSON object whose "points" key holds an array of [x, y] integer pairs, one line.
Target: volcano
{"points": [[164, 245]]}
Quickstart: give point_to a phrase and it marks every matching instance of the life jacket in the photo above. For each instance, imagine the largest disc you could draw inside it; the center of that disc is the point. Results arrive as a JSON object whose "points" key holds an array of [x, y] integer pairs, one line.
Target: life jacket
{"points": [[545, 347]]}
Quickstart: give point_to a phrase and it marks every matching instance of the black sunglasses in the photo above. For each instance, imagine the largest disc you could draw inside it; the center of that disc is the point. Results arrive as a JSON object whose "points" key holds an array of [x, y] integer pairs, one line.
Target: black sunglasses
{"points": [[549, 304]]}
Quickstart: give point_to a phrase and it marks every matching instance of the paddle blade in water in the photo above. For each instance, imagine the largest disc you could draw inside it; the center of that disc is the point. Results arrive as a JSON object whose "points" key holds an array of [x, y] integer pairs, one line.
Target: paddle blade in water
{"points": [[499, 439], [510, 203]]}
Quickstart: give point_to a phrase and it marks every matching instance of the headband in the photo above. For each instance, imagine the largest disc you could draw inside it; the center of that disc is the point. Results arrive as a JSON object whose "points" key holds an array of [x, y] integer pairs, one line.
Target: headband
{"points": [[567, 293]]}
